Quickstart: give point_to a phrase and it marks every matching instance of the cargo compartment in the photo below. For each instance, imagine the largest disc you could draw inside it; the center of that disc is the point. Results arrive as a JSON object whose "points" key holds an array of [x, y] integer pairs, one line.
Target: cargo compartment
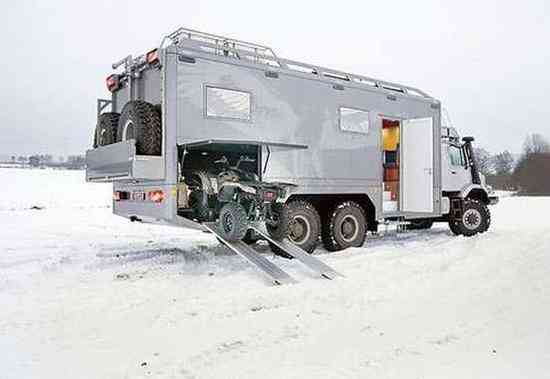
{"points": [[119, 162]]}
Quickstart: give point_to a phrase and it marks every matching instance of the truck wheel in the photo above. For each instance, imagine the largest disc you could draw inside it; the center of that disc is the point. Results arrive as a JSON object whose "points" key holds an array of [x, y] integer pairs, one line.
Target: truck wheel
{"points": [[233, 222], [346, 227], [141, 122], [420, 224], [475, 218], [487, 218], [304, 226], [453, 225], [106, 129]]}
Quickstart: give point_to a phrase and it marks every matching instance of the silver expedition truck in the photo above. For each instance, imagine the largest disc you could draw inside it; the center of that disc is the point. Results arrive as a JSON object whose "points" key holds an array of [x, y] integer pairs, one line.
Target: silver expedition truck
{"points": [[221, 135]]}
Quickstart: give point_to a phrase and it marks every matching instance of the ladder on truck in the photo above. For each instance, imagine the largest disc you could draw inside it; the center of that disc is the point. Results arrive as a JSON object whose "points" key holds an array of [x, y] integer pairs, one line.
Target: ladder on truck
{"points": [[274, 273]]}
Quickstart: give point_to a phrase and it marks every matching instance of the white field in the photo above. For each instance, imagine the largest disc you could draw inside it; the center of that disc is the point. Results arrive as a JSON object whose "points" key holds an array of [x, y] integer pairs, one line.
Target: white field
{"points": [[86, 294]]}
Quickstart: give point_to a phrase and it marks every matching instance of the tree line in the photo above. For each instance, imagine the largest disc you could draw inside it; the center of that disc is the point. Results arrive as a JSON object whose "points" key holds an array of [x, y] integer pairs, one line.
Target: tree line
{"points": [[47, 160], [529, 173]]}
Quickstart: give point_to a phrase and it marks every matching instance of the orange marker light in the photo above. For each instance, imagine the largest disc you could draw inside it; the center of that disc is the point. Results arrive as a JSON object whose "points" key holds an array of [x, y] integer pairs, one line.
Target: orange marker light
{"points": [[156, 196]]}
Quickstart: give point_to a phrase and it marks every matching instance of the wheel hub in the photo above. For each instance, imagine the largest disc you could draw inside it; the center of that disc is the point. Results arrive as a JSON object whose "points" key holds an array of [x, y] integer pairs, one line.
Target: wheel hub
{"points": [[471, 219], [299, 229], [349, 228]]}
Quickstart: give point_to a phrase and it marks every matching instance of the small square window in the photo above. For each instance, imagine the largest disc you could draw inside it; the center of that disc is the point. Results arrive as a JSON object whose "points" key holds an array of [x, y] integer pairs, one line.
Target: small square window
{"points": [[227, 103], [354, 120]]}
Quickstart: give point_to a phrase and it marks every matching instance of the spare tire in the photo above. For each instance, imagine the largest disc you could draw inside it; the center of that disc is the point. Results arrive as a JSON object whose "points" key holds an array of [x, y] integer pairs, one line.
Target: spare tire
{"points": [[141, 122], [106, 129]]}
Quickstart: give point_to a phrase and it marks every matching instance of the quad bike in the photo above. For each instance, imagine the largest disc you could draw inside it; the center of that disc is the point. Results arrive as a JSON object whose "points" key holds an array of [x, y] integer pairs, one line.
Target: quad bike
{"points": [[237, 199]]}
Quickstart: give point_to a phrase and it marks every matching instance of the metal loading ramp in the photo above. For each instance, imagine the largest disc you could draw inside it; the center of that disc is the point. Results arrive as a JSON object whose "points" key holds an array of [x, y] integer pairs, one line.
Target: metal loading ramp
{"points": [[308, 260], [275, 274]]}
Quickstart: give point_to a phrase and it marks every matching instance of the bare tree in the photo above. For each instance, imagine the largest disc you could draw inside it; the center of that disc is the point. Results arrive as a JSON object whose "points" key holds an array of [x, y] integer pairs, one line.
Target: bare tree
{"points": [[503, 163], [484, 160], [535, 144], [530, 174]]}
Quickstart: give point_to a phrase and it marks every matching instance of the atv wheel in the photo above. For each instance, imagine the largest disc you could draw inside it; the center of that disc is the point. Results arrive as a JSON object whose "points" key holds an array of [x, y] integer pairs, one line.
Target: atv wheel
{"points": [[141, 122], [279, 229], [106, 129], [250, 238], [346, 226], [475, 218], [233, 222]]}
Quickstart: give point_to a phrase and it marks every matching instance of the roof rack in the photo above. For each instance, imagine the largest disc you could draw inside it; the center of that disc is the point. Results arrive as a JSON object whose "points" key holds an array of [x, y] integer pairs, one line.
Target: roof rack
{"points": [[194, 40], [223, 45]]}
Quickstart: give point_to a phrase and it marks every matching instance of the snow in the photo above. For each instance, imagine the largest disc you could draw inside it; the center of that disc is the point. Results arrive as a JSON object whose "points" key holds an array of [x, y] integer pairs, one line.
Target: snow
{"points": [[86, 294]]}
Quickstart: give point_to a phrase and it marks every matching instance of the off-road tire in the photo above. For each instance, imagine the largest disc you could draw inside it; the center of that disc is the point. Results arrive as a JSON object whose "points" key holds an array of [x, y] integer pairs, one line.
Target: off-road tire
{"points": [[487, 224], [141, 121], [233, 222], [475, 219], [200, 210], [280, 230], [421, 224], [453, 225], [306, 215], [344, 219], [106, 129]]}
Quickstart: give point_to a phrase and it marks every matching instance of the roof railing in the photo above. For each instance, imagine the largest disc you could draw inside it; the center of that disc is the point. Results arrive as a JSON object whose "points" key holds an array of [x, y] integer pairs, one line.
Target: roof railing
{"points": [[196, 41]]}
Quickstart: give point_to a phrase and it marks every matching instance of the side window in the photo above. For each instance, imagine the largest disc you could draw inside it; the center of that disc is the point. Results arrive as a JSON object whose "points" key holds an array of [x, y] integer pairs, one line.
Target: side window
{"points": [[456, 157], [228, 103], [354, 120]]}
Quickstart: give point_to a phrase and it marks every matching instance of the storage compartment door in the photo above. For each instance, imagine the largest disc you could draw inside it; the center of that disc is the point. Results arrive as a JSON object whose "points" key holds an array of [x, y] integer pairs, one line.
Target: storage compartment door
{"points": [[417, 163]]}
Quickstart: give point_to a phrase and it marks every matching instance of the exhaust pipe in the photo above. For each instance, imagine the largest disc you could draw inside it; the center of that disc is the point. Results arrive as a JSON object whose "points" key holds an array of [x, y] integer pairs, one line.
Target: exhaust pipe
{"points": [[468, 148]]}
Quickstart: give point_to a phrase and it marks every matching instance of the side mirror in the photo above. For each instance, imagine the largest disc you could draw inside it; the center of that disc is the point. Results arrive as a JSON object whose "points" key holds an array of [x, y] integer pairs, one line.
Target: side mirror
{"points": [[468, 139]]}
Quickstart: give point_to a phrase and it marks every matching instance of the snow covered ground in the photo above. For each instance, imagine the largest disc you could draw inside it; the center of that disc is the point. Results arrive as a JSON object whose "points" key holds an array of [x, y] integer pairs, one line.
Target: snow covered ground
{"points": [[86, 294]]}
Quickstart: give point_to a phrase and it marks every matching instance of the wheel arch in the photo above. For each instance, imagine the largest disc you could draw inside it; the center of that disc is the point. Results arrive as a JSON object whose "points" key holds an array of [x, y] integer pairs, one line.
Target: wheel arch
{"points": [[475, 192]]}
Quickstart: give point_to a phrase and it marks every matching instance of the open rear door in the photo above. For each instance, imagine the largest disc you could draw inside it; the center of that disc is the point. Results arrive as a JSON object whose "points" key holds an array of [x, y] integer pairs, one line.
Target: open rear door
{"points": [[417, 165]]}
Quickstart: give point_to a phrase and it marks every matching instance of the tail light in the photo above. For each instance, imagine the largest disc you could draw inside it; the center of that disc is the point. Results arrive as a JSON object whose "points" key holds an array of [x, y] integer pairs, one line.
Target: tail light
{"points": [[121, 195], [152, 57], [269, 196], [113, 82], [156, 196]]}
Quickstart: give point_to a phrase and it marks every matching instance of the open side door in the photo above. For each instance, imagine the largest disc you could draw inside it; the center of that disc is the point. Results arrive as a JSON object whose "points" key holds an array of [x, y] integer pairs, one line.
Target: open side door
{"points": [[417, 165]]}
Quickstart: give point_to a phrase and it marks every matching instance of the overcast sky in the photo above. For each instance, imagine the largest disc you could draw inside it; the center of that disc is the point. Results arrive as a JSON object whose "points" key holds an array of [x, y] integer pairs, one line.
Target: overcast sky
{"points": [[487, 61]]}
